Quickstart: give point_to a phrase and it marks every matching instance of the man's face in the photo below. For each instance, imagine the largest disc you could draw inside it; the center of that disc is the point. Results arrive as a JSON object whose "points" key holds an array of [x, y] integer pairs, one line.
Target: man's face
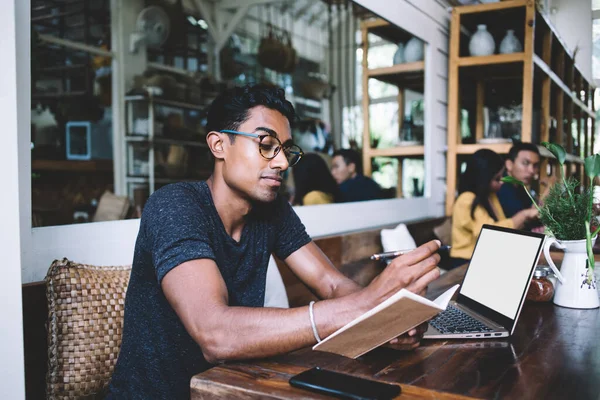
{"points": [[245, 170], [525, 167], [340, 170]]}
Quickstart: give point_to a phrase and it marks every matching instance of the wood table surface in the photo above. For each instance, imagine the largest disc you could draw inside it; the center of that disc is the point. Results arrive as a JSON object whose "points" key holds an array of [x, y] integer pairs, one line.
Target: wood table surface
{"points": [[553, 354]]}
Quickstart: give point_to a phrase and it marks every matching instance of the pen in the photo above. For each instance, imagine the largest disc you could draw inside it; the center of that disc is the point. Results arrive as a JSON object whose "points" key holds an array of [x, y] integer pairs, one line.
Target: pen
{"points": [[393, 254]]}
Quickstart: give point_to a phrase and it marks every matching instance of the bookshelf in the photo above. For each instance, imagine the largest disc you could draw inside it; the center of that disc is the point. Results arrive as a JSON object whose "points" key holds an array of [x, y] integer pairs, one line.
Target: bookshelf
{"points": [[544, 81]]}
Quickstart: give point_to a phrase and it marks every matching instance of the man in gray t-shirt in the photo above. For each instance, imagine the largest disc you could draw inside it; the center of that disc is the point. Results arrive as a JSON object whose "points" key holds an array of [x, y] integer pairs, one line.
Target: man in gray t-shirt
{"points": [[197, 285]]}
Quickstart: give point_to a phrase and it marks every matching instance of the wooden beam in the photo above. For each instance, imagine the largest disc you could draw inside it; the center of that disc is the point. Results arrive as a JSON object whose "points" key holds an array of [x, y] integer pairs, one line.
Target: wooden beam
{"points": [[230, 4], [492, 59], [397, 151], [70, 44], [545, 97], [479, 117], [527, 116], [453, 124], [366, 147], [502, 5], [400, 101], [398, 69], [399, 192]]}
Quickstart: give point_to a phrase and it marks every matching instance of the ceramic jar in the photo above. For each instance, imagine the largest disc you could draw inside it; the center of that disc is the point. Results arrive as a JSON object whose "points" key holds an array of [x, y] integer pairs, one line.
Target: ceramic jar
{"points": [[510, 43], [481, 43], [541, 288], [413, 51], [399, 54]]}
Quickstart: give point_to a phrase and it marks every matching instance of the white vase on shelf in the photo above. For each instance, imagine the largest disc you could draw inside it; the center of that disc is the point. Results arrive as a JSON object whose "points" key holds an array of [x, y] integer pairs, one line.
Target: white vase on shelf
{"points": [[481, 43], [413, 51], [399, 54], [510, 43]]}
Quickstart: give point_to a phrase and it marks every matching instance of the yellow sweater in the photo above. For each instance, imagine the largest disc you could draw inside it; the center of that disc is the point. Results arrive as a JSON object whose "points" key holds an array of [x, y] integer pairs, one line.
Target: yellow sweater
{"points": [[317, 197], [465, 229]]}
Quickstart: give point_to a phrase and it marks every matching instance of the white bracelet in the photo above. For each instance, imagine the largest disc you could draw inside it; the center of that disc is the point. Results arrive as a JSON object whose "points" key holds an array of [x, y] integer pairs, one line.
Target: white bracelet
{"points": [[312, 321]]}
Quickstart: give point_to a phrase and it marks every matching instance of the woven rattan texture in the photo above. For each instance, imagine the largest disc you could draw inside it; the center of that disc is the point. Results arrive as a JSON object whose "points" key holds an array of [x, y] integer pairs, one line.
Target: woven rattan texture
{"points": [[85, 322]]}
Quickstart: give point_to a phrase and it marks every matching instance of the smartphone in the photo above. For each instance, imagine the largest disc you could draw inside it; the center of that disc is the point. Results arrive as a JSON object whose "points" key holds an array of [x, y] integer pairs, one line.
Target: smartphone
{"points": [[344, 386]]}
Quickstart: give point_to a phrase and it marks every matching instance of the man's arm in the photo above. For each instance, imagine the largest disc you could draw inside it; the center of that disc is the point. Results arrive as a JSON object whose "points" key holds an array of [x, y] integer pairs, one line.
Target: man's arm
{"points": [[197, 293], [315, 270]]}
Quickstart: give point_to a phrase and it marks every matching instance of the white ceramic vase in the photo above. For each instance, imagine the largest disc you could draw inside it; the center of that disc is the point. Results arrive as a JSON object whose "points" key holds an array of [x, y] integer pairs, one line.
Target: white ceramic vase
{"points": [[481, 43], [573, 289], [510, 43], [413, 51], [399, 54]]}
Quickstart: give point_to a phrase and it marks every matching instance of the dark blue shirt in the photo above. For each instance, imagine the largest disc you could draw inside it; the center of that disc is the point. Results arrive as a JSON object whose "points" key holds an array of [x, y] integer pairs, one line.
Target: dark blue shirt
{"points": [[360, 188], [513, 199], [180, 223]]}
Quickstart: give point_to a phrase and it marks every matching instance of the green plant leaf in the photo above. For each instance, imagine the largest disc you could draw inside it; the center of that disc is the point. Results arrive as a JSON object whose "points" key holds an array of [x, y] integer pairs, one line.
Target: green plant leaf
{"points": [[510, 179], [592, 166], [558, 151]]}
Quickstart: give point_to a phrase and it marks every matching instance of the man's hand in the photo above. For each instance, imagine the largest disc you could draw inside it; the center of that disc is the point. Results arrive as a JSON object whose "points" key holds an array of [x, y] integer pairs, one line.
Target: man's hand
{"points": [[412, 271], [410, 340]]}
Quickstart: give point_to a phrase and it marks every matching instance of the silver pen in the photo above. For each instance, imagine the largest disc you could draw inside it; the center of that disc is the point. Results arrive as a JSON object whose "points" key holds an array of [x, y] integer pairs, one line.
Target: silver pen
{"points": [[394, 254]]}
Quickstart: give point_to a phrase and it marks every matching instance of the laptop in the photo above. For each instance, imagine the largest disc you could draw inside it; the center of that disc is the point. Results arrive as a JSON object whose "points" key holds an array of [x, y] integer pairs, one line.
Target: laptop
{"points": [[494, 287]]}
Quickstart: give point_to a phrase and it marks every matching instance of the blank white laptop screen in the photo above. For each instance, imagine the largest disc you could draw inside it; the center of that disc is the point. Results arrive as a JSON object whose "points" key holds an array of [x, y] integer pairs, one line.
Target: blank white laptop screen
{"points": [[500, 269]]}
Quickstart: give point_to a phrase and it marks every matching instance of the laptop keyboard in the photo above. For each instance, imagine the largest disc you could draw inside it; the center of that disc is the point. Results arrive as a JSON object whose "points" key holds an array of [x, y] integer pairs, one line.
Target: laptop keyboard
{"points": [[454, 320]]}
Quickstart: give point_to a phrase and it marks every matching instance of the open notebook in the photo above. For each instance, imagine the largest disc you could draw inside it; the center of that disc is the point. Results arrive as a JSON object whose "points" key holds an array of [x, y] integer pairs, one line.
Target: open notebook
{"points": [[397, 315]]}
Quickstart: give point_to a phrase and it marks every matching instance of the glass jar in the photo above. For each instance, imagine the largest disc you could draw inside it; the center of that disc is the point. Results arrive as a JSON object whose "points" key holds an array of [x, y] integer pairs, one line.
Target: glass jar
{"points": [[541, 288]]}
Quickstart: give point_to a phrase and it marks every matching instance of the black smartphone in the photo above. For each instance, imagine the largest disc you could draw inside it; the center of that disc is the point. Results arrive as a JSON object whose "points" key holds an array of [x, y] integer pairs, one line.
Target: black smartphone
{"points": [[344, 386]]}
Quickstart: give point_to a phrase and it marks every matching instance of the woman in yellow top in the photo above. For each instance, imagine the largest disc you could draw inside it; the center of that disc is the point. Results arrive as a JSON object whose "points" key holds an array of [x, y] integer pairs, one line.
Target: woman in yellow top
{"points": [[313, 182], [477, 204]]}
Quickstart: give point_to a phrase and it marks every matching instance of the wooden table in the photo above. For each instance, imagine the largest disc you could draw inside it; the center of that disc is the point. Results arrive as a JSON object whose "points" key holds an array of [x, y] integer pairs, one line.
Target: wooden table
{"points": [[554, 354]]}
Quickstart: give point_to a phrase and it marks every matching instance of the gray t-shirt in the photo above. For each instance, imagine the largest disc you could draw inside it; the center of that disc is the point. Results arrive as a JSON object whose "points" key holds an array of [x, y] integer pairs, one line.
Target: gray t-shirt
{"points": [[180, 223]]}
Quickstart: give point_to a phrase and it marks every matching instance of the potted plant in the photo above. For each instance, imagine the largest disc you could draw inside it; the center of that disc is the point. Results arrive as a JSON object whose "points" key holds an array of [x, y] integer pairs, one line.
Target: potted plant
{"points": [[568, 217]]}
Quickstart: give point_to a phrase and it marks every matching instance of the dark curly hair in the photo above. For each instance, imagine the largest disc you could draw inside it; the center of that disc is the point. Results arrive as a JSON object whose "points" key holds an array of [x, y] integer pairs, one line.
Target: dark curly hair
{"points": [[230, 109]]}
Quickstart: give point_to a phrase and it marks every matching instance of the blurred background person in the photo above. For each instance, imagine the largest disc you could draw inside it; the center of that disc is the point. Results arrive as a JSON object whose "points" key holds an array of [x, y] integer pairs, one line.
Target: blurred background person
{"points": [[313, 183], [478, 204], [346, 168], [523, 163]]}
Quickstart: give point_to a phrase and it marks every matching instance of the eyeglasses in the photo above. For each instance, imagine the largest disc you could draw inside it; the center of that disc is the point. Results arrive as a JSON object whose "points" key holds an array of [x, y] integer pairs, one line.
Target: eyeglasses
{"points": [[269, 146]]}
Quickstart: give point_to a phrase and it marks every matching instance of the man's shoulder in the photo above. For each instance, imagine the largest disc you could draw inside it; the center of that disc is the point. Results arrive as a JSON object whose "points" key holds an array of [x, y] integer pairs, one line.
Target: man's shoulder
{"points": [[177, 197], [507, 188]]}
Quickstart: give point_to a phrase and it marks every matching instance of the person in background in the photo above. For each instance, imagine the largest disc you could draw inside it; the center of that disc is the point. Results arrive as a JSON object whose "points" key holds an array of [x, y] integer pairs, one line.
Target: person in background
{"points": [[478, 204], [313, 182], [523, 163], [346, 168]]}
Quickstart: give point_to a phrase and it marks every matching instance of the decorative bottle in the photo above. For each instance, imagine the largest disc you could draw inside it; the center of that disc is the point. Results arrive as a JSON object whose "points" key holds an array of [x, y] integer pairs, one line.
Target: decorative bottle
{"points": [[482, 43], [510, 43]]}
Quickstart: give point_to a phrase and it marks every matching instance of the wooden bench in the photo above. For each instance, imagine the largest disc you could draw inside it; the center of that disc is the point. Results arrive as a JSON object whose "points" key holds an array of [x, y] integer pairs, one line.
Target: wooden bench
{"points": [[349, 252]]}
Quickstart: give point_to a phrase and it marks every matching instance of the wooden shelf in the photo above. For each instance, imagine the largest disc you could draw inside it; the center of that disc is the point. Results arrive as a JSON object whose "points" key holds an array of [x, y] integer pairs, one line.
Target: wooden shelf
{"points": [[72, 165], [558, 82], [165, 102], [500, 148], [408, 75], [398, 151], [386, 31], [491, 59], [161, 140], [540, 76], [501, 5]]}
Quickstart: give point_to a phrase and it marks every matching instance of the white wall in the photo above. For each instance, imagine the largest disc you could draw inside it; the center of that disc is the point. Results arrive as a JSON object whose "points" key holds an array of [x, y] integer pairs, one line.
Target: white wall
{"points": [[14, 91], [573, 21]]}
